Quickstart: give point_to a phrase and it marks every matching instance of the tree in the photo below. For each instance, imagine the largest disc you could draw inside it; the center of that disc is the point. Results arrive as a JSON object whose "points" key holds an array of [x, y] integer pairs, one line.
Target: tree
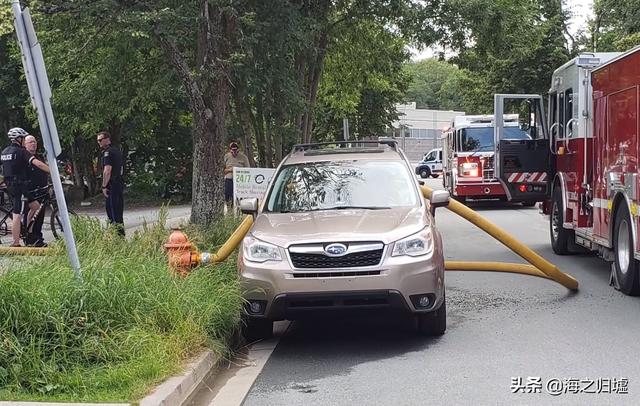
{"points": [[428, 77], [362, 80], [615, 26]]}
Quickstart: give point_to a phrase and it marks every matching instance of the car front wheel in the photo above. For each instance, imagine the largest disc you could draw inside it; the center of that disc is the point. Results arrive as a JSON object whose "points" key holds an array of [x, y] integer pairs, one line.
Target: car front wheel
{"points": [[433, 323], [425, 173], [256, 329]]}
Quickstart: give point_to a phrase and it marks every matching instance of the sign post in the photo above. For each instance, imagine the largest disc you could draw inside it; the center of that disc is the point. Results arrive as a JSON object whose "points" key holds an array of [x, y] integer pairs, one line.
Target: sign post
{"points": [[40, 93], [250, 182]]}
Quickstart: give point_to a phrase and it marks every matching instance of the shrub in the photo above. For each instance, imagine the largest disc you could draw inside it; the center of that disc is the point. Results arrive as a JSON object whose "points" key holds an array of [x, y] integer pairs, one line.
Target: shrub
{"points": [[128, 324]]}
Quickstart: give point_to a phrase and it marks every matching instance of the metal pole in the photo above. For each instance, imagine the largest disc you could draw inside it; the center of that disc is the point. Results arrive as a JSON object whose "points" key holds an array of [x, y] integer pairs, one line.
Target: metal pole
{"points": [[345, 128], [40, 92]]}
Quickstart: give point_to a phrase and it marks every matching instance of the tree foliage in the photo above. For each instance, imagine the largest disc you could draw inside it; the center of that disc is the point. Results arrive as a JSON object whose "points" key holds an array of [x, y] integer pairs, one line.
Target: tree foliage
{"points": [[616, 25], [499, 46]]}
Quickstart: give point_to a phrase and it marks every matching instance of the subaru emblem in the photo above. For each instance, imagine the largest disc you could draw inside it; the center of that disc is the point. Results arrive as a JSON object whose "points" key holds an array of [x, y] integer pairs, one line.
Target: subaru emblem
{"points": [[335, 250]]}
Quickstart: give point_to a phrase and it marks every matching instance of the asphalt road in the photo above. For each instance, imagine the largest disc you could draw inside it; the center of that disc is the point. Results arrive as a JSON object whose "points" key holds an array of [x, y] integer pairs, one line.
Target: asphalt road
{"points": [[502, 328]]}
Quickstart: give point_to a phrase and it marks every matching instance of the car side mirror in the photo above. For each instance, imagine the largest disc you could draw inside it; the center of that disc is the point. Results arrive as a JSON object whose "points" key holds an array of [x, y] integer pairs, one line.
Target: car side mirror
{"points": [[421, 182], [249, 206], [439, 198]]}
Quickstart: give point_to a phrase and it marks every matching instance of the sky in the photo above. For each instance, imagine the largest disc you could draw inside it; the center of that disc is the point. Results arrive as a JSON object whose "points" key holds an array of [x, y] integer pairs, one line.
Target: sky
{"points": [[581, 10]]}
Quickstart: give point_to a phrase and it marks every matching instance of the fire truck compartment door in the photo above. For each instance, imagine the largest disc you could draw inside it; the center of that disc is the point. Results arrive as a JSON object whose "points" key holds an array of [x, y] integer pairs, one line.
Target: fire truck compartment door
{"points": [[522, 158]]}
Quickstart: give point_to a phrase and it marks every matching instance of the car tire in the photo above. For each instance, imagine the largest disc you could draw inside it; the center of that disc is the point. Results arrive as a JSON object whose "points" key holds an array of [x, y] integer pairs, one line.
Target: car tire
{"points": [[433, 323], [256, 329], [425, 173], [627, 268], [528, 203], [559, 235]]}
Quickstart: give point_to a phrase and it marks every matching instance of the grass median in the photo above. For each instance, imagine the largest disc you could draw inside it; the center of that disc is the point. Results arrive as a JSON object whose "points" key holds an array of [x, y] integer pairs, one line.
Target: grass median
{"points": [[128, 325]]}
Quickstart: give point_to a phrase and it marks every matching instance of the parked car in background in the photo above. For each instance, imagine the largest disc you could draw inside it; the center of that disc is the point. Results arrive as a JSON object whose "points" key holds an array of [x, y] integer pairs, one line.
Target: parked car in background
{"points": [[431, 164]]}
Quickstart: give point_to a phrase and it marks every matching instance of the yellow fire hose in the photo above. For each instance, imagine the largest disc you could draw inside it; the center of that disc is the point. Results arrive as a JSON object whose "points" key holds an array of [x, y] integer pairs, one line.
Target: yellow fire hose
{"points": [[230, 245], [183, 255], [547, 268], [24, 251], [494, 267]]}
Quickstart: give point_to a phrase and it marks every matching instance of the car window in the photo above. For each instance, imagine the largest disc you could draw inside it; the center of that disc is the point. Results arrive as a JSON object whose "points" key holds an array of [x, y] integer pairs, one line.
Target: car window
{"points": [[343, 184]]}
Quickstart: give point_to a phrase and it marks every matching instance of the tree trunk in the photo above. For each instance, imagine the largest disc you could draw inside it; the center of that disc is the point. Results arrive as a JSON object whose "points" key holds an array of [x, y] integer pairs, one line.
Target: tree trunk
{"points": [[242, 113], [209, 94], [207, 186], [279, 135], [264, 144], [315, 75]]}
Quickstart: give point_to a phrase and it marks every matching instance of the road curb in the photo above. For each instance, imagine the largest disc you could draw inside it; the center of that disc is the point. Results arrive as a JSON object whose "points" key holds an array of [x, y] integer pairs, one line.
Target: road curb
{"points": [[177, 389], [174, 391]]}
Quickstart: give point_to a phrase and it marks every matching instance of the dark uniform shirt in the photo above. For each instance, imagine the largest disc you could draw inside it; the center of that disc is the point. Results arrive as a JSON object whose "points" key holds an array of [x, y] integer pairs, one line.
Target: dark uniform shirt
{"points": [[37, 177], [15, 163], [112, 156]]}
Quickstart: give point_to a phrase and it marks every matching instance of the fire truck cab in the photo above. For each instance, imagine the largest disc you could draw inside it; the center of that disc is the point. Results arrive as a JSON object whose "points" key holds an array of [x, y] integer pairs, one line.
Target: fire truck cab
{"points": [[469, 149]]}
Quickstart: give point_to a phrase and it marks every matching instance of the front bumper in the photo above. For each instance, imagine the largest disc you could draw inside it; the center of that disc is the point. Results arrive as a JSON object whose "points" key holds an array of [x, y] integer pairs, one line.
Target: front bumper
{"points": [[286, 293]]}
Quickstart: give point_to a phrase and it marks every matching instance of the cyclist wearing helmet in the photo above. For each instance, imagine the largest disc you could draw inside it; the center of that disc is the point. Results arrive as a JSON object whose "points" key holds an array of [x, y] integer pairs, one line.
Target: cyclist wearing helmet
{"points": [[16, 162]]}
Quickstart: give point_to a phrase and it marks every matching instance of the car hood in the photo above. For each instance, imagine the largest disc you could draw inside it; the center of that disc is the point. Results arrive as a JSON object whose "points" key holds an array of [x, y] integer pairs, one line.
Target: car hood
{"points": [[386, 225]]}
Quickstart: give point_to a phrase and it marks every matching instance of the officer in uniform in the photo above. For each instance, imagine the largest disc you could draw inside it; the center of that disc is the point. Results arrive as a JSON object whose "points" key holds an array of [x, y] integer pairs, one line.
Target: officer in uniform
{"points": [[38, 181], [16, 161], [112, 180]]}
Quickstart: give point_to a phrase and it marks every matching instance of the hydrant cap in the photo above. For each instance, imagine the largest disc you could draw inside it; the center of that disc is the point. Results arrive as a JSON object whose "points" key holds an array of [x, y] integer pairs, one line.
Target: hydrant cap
{"points": [[178, 239]]}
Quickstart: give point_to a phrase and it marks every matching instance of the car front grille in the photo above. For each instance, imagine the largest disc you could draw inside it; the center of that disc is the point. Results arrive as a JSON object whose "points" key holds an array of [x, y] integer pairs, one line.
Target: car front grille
{"points": [[329, 274], [353, 260]]}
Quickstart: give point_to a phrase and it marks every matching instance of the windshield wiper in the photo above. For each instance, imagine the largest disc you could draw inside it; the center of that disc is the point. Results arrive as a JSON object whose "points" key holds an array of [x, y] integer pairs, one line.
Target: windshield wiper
{"points": [[352, 207], [475, 151]]}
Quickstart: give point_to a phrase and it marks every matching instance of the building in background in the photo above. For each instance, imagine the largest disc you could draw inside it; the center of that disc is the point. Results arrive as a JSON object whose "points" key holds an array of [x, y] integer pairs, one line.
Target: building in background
{"points": [[420, 130]]}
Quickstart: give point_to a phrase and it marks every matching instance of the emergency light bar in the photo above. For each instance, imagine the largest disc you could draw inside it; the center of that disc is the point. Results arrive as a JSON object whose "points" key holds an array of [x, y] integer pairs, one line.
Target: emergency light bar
{"points": [[588, 61]]}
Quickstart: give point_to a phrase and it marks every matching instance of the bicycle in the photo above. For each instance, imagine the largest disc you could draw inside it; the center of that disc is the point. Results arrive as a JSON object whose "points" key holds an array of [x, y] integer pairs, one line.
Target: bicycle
{"points": [[46, 197], [5, 211]]}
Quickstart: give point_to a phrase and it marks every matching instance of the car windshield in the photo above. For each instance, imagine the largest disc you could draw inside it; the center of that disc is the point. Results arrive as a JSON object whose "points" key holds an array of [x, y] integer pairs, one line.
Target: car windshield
{"points": [[342, 185], [481, 138]]}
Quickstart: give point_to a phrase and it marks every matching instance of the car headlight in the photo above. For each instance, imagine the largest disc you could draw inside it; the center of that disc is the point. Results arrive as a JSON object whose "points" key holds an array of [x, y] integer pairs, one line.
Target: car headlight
{"points": [[414, 245], [260, 251]]}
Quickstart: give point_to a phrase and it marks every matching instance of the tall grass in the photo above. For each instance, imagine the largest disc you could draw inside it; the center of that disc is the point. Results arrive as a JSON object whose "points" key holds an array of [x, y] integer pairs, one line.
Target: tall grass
{"points": [[126, 326]]}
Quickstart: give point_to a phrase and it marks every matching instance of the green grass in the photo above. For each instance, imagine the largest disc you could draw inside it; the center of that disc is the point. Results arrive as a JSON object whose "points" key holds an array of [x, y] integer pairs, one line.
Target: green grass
{"points": [[125, 327]]}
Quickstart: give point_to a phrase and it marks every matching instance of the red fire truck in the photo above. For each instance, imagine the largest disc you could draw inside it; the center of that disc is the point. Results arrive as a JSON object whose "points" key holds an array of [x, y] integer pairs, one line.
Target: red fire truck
{"points": [[592, 161], [468, 152]]}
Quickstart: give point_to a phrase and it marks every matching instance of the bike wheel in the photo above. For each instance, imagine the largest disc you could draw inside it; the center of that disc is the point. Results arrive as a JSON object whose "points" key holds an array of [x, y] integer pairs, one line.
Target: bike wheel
{"points": [[6, 219], [56, 222]]}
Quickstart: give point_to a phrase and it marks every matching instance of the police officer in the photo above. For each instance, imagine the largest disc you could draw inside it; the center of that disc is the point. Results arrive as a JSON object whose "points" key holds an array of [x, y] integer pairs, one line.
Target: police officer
{"points": [[38, 181], [112, 180], [16, 161]]}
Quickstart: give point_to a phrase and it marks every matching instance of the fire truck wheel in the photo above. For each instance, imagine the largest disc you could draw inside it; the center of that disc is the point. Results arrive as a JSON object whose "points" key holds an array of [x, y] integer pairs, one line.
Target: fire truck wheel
{"points": [[627, 269], [425, 173], [559, 235]]}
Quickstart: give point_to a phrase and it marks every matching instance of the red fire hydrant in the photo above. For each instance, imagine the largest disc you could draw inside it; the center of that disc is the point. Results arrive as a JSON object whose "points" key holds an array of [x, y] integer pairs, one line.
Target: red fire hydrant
{"points": [[182, 254]]}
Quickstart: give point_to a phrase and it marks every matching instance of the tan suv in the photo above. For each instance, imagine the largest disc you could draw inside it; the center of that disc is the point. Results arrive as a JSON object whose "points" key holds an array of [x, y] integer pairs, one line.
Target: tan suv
{"points": [[343, 227]]}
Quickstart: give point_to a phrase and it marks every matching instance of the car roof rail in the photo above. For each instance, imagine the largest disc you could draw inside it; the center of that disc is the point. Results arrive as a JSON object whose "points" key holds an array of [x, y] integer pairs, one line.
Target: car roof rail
{"points": [[393, 144]]}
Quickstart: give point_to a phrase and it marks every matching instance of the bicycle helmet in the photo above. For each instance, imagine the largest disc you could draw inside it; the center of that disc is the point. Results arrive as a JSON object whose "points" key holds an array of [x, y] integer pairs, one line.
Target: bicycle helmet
{"points": [[16, 133]]}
